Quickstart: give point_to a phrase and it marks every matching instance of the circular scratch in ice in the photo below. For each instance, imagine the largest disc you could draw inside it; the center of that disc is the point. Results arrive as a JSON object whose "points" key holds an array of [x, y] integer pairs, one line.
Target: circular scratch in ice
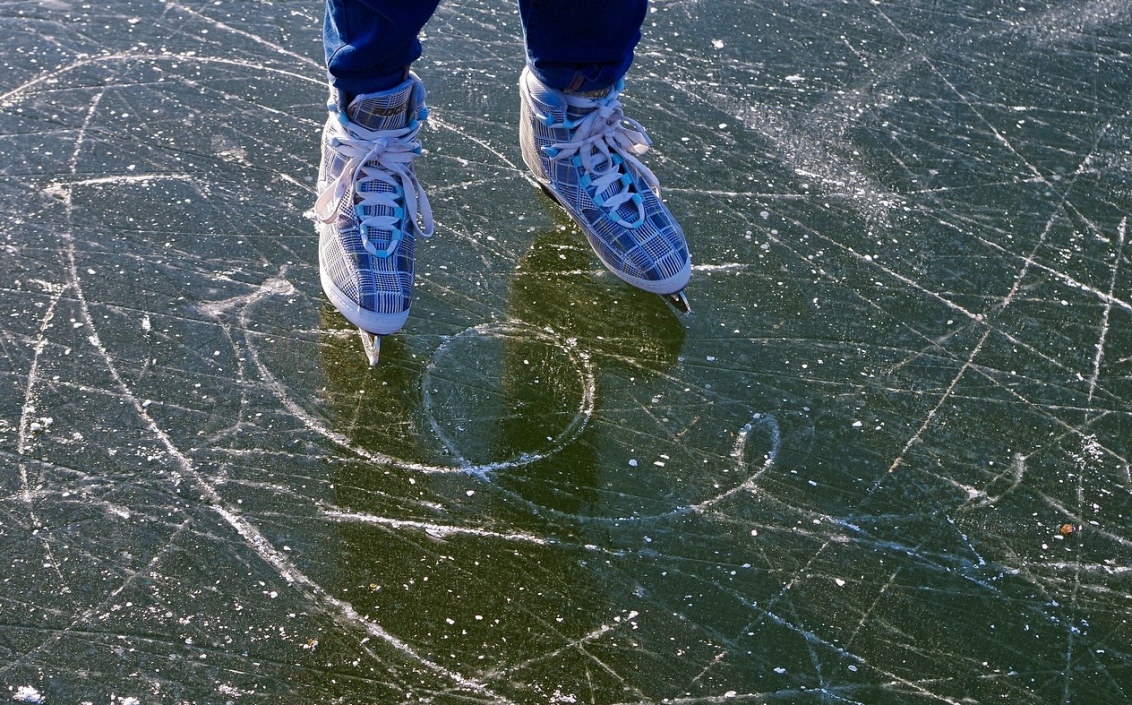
{"points": [[740, 462], [738, 454], [279, 286], [485, 383]]}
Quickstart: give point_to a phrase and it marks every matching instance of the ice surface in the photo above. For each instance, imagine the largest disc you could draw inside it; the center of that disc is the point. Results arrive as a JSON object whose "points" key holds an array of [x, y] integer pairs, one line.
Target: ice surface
{"points": [[842, 479]]}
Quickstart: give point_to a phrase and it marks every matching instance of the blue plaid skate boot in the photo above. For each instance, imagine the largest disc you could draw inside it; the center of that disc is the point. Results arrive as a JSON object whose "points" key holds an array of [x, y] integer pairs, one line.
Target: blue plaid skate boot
{"points": [[367, 209], [584, 152]]}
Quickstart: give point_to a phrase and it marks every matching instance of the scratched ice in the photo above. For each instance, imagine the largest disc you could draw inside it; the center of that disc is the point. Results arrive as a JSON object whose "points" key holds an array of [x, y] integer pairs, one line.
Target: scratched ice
{"points": [[886, 460]]}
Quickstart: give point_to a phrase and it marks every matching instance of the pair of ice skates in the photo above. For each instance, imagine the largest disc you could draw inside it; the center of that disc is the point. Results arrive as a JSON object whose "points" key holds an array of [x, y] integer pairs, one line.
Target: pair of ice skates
{"points": [[581, 148]]}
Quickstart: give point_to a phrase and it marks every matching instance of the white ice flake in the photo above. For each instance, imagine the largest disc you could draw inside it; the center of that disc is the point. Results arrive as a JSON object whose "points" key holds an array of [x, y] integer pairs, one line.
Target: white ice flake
{"points": [[27, 694]]}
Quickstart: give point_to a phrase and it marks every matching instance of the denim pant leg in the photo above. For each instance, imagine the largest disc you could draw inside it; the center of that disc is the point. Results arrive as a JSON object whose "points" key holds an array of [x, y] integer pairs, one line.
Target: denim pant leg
{"points": [[581, 45], [577, 45], [369, 44]]}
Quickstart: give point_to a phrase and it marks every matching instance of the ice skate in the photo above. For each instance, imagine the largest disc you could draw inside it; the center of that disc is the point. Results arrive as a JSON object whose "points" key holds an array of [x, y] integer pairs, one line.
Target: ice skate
{"points": [[368, 205], [584, 153]]}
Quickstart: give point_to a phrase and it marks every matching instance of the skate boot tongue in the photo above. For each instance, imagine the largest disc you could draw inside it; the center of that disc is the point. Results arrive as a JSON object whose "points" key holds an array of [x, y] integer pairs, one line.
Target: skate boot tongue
{"points": [[381, 111], [580, 104], [591, 95]]}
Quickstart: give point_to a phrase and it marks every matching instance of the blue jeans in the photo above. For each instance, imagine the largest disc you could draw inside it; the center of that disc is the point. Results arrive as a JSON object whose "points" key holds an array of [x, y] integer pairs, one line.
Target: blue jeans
{"points": [[575, 45]]}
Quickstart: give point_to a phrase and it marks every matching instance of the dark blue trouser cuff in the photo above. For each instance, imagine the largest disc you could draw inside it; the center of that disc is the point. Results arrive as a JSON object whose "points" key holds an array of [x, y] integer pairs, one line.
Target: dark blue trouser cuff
{"points": [[577, 45]]}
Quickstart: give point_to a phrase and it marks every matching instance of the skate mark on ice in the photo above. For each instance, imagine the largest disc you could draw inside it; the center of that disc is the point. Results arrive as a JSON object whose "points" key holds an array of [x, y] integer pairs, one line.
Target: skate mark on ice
{"points": [[280, 286], [252, 538]]}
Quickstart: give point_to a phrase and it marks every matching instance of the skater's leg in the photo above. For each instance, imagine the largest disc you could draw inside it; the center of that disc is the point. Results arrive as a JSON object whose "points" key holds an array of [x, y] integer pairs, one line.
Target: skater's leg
{"points": [[581, 45], [370, 208], [370, 44], [584, 151]]}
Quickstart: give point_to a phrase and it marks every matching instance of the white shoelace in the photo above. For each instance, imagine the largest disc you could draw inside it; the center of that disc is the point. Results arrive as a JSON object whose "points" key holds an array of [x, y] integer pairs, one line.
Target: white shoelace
{"points": [[377, 155], [602, 137]]}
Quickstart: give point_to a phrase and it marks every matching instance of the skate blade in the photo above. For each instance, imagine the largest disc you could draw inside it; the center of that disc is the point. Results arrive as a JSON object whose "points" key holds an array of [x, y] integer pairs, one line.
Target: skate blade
{"points": [[550, 194], [372, 345], [679, 301]]}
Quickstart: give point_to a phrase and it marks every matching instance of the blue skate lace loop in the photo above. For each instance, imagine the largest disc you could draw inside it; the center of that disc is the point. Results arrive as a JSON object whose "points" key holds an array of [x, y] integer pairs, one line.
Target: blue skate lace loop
{"points": [[382, 156], [606, 151]]}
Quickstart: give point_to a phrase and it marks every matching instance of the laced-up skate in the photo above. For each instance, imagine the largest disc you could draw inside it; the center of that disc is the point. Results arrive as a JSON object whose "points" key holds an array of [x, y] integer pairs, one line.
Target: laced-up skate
{"points": [[367, 209], [584, 152]]}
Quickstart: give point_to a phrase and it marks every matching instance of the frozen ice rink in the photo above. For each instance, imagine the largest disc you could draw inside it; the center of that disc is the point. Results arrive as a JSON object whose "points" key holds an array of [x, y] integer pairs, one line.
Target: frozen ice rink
{"points": [[885, 460]]}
